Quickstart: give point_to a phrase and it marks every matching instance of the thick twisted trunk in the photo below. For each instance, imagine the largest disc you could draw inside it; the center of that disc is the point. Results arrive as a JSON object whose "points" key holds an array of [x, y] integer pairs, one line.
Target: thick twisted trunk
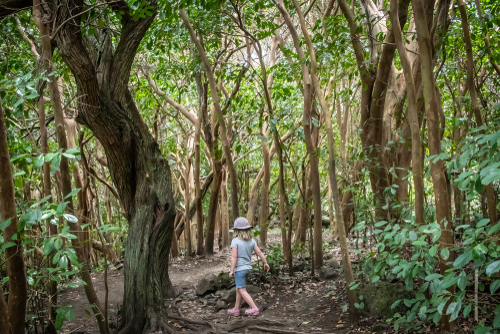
{"points": [[139, 171]]}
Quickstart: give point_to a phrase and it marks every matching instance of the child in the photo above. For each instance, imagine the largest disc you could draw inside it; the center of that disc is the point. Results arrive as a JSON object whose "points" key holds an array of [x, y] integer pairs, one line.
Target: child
{"points": [[241, 264]]}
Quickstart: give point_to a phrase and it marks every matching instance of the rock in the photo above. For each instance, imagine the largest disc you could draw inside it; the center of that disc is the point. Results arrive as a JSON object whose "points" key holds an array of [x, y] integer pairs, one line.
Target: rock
{"points": [[327, 273], [334, 264], [206, 284], [221, 304], [378, 298], [229, 296], [379, 327], [175, 292], [223, 281]]}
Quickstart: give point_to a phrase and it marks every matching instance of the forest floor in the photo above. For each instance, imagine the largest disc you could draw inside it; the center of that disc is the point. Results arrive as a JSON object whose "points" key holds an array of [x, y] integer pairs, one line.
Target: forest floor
{"points": [[301, 304]]}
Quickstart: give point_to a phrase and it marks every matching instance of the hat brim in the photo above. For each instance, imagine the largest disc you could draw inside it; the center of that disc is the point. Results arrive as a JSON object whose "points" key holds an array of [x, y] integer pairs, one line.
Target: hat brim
{"points": [[241, 228]]}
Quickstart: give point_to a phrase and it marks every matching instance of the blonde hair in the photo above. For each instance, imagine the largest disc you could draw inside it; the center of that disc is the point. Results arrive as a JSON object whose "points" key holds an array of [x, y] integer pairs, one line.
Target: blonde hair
{"points": [[245, 235]]}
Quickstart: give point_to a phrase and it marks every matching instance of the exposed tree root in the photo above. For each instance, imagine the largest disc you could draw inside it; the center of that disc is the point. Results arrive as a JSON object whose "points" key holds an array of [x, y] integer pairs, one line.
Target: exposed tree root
{"points": [[276, 331], [195, 322], [241, 323], [177, 308]]}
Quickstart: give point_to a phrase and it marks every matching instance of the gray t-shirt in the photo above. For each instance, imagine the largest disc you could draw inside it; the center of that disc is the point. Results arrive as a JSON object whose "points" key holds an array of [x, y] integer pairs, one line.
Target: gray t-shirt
{"points": [[245, 248]]}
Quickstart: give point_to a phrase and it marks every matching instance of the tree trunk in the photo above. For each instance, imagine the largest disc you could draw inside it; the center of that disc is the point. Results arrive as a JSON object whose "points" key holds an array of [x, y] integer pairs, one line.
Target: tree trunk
{"points": [[247, 189], [443, 213], [187, 200], [416, 152], [224, 212], [139, 171], [305, 214], [51, 228], [490, 192], [331, 216], [18, 294], [198, 189], [212, 207], [264, 206], [4, 319]]}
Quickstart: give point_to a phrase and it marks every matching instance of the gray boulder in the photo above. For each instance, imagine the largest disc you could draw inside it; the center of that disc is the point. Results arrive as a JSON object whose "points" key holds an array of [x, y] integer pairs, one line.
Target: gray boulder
{"points": [[332, 263], [327, 273], [229, 296], [378, 298], [206, 284]]}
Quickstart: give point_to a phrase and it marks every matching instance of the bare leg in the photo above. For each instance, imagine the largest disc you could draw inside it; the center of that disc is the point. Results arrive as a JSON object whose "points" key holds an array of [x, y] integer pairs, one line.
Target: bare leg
{"points": [[237, 305], [244, 294]]}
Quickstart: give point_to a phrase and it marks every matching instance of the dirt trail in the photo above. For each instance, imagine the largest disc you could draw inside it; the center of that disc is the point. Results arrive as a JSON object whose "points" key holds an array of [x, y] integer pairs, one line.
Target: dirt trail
{"points": [[182, 273], [301, 304]]}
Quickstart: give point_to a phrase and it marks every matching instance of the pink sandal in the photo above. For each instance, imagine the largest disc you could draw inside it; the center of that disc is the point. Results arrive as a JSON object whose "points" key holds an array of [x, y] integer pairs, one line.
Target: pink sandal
{"points": [[233, 312], [252, 311]]}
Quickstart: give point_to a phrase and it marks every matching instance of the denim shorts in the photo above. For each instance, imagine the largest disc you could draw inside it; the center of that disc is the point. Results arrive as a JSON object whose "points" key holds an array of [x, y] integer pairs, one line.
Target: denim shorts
{"points": [[240, 278]]}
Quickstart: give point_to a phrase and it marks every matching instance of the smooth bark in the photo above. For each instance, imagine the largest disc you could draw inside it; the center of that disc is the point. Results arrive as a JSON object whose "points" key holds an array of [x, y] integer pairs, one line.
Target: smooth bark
{"points": [[412, 110], [490, 191], [443, 213]]}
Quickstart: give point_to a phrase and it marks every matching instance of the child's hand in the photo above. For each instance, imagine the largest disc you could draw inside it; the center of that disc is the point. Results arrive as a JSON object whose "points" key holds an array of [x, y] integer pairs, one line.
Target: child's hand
{"points": [[266, 267], [231, 273]]}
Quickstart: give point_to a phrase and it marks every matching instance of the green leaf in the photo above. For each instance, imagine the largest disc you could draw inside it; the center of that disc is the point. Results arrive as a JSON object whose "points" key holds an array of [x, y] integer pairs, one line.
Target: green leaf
{"points": [[49, 156], [442, 305], [412, 236], [494, 286], [462, 281], [419, 243], [493, 268], [445, 253], [58, 243], [381, 223], [432, 277], [59, 319], [496, 321], [5, 224], [495, 228], [395, 304], [375, 278], [467, 310], [482, 223], [38, 162], [70, 218], [463, 259], [49, 246], [481, 329], [433, 250], [70, 315], [72, 193], [453, 309]]}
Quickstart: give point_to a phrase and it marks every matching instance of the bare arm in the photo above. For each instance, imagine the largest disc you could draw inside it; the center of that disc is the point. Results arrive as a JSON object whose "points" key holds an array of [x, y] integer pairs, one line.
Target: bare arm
{"points": [[234, 257], [261, 256]]}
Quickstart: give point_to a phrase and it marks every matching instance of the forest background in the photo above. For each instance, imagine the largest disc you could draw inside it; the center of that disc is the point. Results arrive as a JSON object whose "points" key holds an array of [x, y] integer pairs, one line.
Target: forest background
{"points": [[141, 129]]}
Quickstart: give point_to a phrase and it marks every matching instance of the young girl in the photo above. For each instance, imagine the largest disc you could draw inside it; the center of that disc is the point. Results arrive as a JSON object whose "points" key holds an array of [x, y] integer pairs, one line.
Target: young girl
{"points": [[241, 264]]}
